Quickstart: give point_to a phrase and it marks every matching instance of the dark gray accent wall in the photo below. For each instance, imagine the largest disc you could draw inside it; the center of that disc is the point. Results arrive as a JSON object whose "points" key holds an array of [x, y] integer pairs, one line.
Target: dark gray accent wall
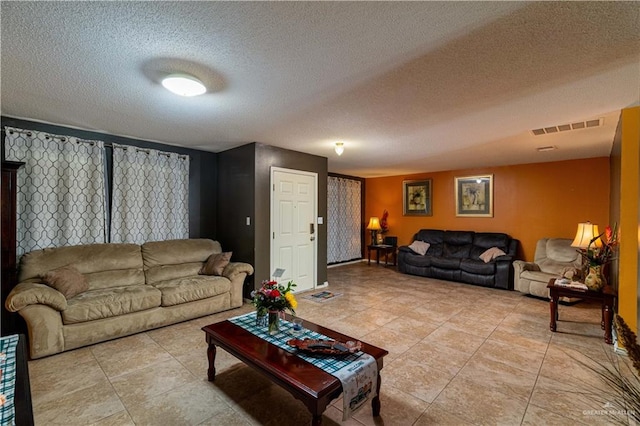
{"points": [[236, 202], [244, 190], [202, 170]]}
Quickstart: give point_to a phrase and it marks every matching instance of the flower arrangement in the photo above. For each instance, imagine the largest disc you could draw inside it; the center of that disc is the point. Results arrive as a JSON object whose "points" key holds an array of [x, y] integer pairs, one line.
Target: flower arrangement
{"points": [[384, 226], [598, 256], [274, 297]]}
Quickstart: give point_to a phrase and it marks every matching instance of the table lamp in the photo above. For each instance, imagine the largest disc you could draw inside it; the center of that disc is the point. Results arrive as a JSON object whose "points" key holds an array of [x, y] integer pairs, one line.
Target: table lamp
{"points": [[585, 234], [374, 227]]}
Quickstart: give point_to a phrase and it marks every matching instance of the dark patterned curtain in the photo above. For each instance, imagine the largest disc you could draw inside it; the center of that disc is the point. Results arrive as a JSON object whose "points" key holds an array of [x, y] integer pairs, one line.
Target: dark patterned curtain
{"points": [[344, 217]]}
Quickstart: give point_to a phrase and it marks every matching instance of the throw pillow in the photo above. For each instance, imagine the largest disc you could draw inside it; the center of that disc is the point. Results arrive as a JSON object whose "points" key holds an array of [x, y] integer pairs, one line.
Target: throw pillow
{"points": [[491, 254], [67, 280], [420, 247], [215, 263]]}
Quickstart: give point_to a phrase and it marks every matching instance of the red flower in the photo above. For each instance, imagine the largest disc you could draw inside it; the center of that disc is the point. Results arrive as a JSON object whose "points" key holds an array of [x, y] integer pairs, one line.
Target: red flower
{"points": [[275, 293]]}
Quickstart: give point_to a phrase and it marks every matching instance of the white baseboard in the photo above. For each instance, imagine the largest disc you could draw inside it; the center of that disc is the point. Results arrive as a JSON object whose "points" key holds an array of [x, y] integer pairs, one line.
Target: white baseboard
{"points": [[335, 265]]}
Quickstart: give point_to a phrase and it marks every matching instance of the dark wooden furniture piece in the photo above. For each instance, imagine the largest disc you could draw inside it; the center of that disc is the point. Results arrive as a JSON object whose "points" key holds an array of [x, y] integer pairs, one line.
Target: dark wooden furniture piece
{"points": [[385, 249], [8, 214], [306, 382], [606, 297], [22, 395]]}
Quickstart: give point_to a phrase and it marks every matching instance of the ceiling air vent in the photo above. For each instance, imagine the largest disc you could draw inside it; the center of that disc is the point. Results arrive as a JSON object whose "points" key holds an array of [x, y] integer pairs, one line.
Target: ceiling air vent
{"points": [[588, 124]]}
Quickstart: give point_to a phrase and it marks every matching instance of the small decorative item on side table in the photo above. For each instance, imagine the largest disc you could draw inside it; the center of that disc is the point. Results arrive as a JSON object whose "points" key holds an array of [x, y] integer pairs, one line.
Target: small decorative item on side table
{"points": [[271, 300]]}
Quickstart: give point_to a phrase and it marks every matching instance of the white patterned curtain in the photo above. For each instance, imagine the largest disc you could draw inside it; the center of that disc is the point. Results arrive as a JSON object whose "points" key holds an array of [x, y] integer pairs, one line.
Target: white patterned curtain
{"points": [[150, 195], [344, 218], [61, 189]]}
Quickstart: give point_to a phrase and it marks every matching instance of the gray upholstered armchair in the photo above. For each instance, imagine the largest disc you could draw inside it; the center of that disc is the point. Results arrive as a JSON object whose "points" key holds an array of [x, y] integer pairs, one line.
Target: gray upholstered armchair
{"points": [[553, 258]]}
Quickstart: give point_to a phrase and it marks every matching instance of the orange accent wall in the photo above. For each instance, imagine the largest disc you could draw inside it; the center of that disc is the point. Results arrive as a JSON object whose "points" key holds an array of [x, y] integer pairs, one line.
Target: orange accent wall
{"points": [[531, 201], [628, 296]]}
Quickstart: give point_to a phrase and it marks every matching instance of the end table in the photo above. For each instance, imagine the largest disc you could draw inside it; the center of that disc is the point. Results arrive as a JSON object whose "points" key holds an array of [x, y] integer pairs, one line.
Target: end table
{"points": [[606, 297], [386, 249]]}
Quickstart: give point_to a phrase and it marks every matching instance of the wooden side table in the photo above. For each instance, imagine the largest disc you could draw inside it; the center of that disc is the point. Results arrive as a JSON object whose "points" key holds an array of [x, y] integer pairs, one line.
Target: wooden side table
{"points": [[385, 249], [606, 297]]}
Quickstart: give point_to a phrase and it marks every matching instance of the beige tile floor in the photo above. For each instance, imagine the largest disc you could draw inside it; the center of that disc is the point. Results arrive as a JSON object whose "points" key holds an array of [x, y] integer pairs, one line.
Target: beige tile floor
{"points": [[458, 355]]}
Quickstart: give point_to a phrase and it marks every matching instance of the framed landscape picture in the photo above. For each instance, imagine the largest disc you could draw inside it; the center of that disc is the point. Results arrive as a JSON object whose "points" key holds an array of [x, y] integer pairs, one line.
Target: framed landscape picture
{"points": [[474, 196], [416, 197]]}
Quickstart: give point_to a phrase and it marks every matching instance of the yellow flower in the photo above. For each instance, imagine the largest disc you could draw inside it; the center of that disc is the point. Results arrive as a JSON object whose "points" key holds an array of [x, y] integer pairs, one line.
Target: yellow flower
{"points": [[291, 299]]}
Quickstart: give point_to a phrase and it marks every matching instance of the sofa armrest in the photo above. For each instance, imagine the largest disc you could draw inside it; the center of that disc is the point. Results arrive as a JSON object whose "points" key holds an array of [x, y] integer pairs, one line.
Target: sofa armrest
{"points": [[504, 272], [235, 268], [236, 272], [405, 249], [519, 266], [34, 293]]}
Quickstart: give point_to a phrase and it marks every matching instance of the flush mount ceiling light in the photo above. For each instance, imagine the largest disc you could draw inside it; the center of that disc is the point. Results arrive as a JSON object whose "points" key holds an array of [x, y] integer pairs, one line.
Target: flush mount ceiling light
{"points": [[184, 85], [339, 148]]}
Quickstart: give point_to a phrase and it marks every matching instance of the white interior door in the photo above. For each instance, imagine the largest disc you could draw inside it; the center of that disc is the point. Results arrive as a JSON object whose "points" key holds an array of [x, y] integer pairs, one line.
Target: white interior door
{"points": [[293, 226]]}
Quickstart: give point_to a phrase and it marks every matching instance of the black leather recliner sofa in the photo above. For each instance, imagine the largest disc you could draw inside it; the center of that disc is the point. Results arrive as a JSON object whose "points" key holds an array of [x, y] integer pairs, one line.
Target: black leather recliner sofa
{"points": [[455, 256]]}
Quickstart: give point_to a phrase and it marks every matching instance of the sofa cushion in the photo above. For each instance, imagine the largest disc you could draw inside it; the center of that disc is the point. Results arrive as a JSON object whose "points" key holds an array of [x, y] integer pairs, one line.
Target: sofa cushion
{"points": [[67, 280], [445, 262], [115, 278], [216, 263], [86, 259], [457, 251], [458, 238], [174, 252], [417, 260], [419, 247], [111, 302], [457, 244], [161, 273], [431, 236], [491, 239], [477, 267], [175, 292], [173, 259]]}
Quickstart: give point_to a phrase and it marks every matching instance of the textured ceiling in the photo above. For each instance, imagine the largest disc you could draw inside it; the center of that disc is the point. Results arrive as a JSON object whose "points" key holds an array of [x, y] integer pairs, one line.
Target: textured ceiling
{"points": [[408, 86]]}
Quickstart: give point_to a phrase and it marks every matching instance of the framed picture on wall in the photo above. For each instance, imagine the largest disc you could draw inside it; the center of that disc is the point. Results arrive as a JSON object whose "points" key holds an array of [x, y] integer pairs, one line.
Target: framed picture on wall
{"points": [[474, 196], [416, 197]]}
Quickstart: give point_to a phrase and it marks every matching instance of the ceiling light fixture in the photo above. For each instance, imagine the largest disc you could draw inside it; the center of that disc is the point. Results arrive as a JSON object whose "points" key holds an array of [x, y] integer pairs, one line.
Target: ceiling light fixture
{"points": [[184, 85], [339, 148]]}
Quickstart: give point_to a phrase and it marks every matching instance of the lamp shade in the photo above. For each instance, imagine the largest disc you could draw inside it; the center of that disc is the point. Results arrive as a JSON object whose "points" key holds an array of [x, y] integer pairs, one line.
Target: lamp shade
{"points": [[374, 224], [339, 148], [586, 232]]}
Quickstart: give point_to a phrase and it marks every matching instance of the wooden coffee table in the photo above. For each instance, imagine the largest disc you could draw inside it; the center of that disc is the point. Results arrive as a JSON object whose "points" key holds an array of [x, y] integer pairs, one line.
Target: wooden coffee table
{"points": [[306, 382]]}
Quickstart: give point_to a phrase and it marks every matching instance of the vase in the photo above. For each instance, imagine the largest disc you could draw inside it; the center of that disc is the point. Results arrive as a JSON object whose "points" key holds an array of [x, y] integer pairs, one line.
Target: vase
{"points": [[274, 322], [594, 280], [261, 319]]}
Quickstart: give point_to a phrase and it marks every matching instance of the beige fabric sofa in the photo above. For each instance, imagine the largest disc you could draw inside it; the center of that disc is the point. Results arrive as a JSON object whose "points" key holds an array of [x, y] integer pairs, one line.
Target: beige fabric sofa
{"points": [[132, 288], [552, 258]]}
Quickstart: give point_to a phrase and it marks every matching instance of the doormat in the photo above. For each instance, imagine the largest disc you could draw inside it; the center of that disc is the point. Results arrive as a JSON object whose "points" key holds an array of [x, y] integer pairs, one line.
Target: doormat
{"points": [[323, 296]]}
